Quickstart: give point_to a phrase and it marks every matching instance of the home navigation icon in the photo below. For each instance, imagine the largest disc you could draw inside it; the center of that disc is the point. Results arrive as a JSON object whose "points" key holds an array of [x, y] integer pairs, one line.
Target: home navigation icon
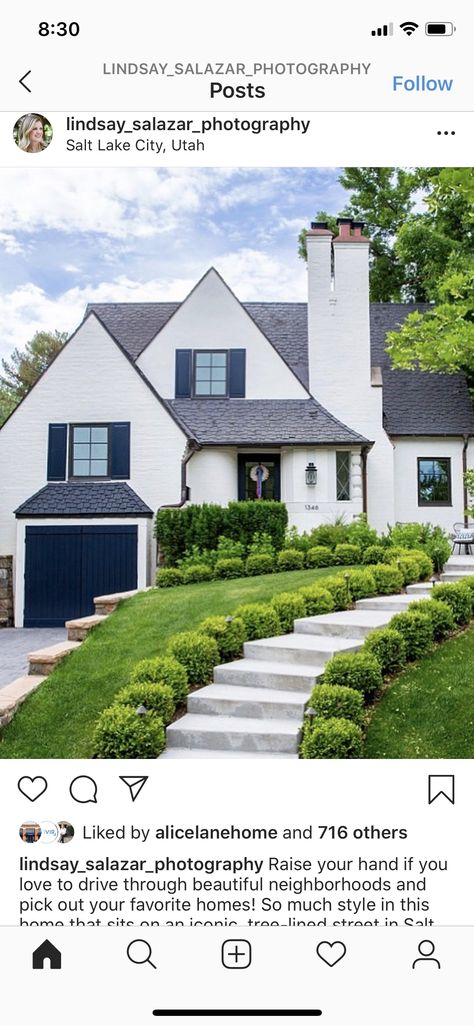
{"points": [[46, 952]]}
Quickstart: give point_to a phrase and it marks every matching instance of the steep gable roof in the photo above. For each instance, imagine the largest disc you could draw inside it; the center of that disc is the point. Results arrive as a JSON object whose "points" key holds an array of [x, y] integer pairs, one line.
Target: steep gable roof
{"points": [[414, 402]]}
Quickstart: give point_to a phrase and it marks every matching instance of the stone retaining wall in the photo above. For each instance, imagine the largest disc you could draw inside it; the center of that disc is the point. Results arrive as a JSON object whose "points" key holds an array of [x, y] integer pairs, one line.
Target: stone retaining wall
{"points": [[6, 591]]}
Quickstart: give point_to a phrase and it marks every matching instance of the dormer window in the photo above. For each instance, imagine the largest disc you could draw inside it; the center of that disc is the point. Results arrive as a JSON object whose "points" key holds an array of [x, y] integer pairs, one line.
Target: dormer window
{"points": [[210, 373]]}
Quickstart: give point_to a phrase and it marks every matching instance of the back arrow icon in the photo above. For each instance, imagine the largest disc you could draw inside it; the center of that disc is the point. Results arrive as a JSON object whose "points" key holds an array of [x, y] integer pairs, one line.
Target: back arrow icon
{"points": [[22, 81]]}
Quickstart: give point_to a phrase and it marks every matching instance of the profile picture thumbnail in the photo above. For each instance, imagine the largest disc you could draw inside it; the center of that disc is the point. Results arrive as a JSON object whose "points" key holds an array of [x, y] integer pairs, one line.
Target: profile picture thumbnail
{"points": [[32, 133], [66, 831], [30, 832]]}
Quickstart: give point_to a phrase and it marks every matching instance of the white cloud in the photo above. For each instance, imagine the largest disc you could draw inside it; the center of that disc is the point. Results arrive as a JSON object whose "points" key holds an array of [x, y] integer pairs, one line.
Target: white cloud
{"points": [[252, 274], [10, 244]]}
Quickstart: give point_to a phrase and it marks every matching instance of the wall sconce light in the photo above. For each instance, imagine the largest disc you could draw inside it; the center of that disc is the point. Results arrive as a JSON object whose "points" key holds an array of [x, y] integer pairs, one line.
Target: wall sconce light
{"points": [[311, 474]]}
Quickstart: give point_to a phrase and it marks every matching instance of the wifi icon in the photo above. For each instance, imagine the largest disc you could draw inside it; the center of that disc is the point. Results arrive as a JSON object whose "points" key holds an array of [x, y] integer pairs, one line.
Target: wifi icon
{"points": [[409, 27]]}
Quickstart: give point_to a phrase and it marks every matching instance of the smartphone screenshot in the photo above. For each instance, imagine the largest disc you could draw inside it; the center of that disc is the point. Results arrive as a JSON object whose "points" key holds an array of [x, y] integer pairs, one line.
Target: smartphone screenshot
{"points": [[236, 513]]}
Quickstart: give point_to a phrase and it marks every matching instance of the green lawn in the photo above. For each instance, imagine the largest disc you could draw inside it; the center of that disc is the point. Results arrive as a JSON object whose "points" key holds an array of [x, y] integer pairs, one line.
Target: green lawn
{"points": [[429, 711], [57, 721]]}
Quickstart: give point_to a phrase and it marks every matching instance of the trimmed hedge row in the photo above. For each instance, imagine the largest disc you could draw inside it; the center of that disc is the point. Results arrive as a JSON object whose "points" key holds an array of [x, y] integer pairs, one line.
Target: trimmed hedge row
{"points": [[411, 564], [408, 636]]}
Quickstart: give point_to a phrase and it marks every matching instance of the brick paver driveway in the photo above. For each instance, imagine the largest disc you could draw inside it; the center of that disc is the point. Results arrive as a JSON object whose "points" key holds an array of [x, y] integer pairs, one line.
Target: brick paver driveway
{"points": [[16, 644]]}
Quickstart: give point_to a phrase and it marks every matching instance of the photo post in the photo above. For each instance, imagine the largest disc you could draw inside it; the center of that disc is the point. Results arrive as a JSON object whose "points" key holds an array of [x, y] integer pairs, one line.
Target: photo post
{"points": [[237, 514]]}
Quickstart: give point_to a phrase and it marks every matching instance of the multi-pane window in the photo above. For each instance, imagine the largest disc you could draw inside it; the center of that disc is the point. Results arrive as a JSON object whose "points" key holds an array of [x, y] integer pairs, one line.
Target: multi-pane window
{"points": [[343, 476], [434, 481], [90, 451], [210, 373]]}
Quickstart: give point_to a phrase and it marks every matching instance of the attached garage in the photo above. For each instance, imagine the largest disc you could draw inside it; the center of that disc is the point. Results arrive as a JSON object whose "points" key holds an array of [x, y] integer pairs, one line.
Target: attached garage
{"points": [[68, 563], [66, 567]]}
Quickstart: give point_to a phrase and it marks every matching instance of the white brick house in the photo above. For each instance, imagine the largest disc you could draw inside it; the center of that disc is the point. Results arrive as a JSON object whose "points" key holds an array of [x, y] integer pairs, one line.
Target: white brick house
{"points": [[152, 404]]}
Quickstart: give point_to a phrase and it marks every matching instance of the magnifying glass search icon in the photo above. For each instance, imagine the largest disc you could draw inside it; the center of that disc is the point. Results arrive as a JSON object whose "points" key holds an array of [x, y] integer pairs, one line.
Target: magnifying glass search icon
{"points": [[139, 952]]}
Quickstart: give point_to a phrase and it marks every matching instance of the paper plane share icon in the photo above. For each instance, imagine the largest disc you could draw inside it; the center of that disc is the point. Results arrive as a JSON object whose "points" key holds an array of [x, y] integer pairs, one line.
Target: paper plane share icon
{"points": [[135, 785]]}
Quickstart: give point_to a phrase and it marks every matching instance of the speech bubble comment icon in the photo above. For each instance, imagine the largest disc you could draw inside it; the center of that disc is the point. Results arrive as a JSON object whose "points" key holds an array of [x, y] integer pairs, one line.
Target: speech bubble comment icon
{"points": [[83, 789]]}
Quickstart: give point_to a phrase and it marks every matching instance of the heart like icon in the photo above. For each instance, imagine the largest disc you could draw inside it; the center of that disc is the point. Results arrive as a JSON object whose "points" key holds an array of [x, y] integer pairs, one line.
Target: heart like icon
{"points": [[331, 953], [32, 787]]}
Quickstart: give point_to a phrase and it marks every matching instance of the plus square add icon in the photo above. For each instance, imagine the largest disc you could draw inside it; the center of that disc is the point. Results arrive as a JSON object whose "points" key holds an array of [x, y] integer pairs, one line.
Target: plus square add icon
{"points": [[236, 954]]}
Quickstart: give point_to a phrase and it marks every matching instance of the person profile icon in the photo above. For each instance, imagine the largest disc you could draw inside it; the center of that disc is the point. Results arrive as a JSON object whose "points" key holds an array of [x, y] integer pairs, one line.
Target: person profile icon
{"points": [[426, 949]]}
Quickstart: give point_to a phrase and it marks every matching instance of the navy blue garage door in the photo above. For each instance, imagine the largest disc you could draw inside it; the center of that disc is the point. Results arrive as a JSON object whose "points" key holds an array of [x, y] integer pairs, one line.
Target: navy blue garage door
{"points": [[66, 567]]}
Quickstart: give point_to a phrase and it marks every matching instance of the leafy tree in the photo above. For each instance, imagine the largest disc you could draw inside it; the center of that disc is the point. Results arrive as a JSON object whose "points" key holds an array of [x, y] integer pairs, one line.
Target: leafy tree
{"points": [[442, 339], [25, 367]]}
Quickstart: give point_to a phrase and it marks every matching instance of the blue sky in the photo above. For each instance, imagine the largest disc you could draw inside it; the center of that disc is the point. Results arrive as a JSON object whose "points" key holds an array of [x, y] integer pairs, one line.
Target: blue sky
{"points": [[69, 237]]}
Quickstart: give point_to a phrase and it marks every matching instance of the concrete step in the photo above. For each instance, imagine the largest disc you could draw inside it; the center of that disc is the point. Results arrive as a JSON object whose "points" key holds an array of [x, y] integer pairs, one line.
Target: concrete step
{"points": [[353, 623], [105, 604], [273, 675], [234, 734], [453, 576], [44, 660], [208, 753], [421, 589], [460, 563], [394, 603], [300, 648], [77, 630], [256, 703]]}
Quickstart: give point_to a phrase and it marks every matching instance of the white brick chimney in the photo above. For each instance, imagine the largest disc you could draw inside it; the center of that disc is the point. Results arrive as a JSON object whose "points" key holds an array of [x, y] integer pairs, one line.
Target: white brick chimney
{"points": [[339, 346]]}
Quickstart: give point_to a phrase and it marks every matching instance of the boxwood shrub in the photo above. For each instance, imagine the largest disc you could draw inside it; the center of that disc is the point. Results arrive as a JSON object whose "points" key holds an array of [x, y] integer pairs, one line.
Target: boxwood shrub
{"points": [[258, 564], [470, 582], [426, 567], [416, 630], [289, 605], [197, 573], [162, 670], [157, 698], [229, 568], [459, 596], [375, 554], [334, 738], [290, 559], [358, 670], [318, 600], [440, 614], [229, 633], [388, 647], [169, 577], [319, 555], [338, 587], [121, 734], [197, 652], [346, 554], [388, 579], [409, 568], [260, 620], [328, 700], [362, 584]]}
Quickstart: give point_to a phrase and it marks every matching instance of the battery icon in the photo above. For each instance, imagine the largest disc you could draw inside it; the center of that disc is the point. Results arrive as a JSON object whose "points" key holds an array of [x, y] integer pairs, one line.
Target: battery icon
{"points": [[439, 28]]}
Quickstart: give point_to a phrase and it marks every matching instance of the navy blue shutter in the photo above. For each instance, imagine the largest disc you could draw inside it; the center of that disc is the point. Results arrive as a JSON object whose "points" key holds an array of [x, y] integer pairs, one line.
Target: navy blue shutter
{"points": [[120, 450], [237, 373], [183, 373], [57, 442]]}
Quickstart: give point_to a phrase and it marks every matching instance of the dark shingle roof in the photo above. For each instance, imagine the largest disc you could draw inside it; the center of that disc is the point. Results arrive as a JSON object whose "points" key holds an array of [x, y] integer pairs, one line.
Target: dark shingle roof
{"points": [[133, 325], [88, 499], [263, 422], [415, 402]]}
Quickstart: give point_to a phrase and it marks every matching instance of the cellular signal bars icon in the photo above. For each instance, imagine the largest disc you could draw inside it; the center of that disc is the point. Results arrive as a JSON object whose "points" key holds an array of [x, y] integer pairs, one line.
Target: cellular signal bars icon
{"points": [[384, 30]]}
